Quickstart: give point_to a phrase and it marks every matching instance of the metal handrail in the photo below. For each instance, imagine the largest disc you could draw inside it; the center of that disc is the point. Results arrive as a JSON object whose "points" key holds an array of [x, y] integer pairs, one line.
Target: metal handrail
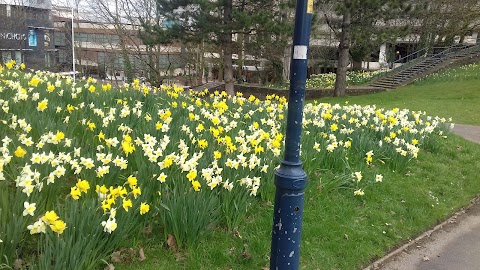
{"points": [[423, 55], [450, 50], [412, 60], [411, 56], [460, 49]]}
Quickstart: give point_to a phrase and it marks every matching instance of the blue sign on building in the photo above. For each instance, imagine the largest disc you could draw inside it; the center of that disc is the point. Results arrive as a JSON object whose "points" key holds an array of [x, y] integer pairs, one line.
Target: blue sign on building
{"points": [[32, 38]]}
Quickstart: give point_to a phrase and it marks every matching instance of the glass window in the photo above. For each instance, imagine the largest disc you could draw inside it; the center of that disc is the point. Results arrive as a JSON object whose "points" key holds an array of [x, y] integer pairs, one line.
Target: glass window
{"points": [[62, 56], [110, 60], [81, 37], [48, 59], [59, 39], [6, 56], [18, 57], [101, 58]]}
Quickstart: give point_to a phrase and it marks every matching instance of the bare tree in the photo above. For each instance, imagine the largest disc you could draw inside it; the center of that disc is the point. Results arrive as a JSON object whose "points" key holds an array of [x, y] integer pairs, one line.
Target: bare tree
{"points": [[361, 26], [444, 22], [119, 20]]}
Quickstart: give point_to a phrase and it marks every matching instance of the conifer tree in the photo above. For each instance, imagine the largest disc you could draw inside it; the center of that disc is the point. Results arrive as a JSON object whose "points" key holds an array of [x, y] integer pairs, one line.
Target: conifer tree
{"points": [[218, 22]]}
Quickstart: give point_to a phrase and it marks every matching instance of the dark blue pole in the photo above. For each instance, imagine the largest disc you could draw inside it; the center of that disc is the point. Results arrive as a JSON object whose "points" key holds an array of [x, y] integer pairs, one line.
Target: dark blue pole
{"points": [[290, 178]]}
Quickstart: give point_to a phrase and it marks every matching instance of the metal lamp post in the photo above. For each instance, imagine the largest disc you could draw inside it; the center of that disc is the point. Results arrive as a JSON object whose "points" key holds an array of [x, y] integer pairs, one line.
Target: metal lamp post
{"points": [[73, 48], [290, 178], [77, 3]]}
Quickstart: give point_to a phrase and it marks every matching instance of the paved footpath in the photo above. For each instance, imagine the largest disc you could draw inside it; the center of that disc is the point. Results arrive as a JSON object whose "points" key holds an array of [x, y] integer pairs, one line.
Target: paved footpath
{"points": [[452, 245], [471, 133]]}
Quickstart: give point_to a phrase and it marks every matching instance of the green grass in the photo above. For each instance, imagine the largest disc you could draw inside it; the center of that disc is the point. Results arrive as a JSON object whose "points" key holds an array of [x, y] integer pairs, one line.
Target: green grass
{"points": [[454, 93], [340, 231], [346, 232]]}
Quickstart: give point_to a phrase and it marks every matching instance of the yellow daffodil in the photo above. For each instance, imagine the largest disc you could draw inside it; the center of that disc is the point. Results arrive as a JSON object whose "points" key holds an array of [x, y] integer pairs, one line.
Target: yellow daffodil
{"points": [[20, 152], [132, 181], [58, 226], [126, 204], [202, 144], [106, 205], [83, 185], [101, 189], [75, 193], [34, 81], [42, 105], [70, 108], [144, 208], [334, 127], [191, 175], [91, 125], [136, 191], [196, 185], [101, 136], [59, 136], [50, 217], [50, 87]]}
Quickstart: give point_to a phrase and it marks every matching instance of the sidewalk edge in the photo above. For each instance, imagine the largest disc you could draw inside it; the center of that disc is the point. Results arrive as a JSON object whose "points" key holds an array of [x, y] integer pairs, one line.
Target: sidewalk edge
{"points": [[452, 219]]}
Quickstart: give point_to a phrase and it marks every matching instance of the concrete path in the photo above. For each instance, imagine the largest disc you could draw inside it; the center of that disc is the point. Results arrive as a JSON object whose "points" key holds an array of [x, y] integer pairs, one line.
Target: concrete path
{"points": [[471, 133], [452, 245]]}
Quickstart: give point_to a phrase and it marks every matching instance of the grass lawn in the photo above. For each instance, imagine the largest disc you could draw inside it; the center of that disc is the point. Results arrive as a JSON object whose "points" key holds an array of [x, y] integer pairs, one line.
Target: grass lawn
{"points": [[346, 232], [454, 93]]}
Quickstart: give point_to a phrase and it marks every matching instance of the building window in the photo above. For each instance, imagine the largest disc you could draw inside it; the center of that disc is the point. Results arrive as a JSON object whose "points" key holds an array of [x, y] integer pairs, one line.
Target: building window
{"points": [[62, 57], [9, 11], [48, 60], [6, 56], [59, 39], [18, 57]]}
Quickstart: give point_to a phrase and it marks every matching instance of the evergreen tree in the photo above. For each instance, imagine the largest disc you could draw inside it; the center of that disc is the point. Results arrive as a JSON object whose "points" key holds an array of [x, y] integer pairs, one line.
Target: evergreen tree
{"points": [[218, 22]]}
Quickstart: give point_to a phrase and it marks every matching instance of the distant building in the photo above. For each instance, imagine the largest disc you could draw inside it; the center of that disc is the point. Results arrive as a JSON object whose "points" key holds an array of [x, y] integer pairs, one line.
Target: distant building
{"points": [[40, 35], [27, 33], [108, 51]]}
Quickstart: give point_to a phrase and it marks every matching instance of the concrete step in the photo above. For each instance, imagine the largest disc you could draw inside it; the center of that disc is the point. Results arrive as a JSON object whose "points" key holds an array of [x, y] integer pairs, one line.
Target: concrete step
{"points": [[408, 74], [398, 78], [390, 81], [385, 85]]}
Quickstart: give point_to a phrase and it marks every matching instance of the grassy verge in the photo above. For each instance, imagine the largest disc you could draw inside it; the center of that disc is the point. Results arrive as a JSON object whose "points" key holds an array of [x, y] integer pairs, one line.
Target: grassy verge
{"points": [[340, 231], [454, 93], [346, 232]]}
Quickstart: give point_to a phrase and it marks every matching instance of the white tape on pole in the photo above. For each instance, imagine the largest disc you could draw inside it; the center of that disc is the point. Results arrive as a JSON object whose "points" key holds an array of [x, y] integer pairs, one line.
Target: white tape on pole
{"points": [[300, 52]]}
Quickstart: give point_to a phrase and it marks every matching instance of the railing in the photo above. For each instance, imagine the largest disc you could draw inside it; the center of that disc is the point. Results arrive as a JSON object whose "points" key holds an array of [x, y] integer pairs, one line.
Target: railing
{"points": [[403, 63], [417, 56], [447, 50], [412, 56], [468, 49]]}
